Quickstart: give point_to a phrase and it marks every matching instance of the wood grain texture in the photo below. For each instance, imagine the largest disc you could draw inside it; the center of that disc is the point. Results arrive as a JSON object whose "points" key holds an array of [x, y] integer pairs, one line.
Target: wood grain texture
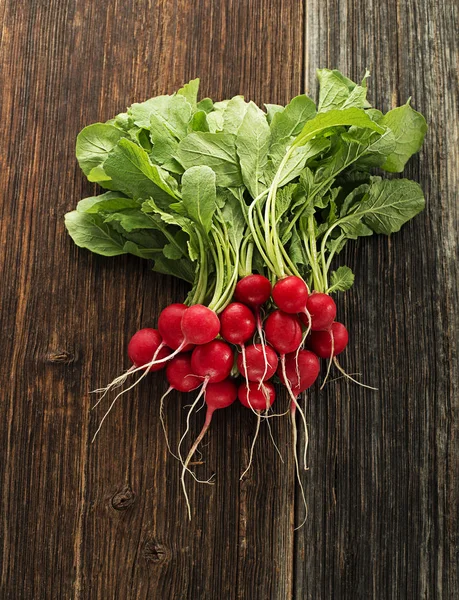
{"points": [[108, 520]]}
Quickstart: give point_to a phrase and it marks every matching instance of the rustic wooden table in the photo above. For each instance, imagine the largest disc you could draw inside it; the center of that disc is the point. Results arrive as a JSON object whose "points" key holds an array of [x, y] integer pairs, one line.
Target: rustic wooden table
{"points": [[108, 520]]}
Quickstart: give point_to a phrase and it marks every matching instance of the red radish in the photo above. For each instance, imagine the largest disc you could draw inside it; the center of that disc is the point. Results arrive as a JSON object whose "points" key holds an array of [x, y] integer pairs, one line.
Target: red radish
{"points": [[252, 396], [212, 361], [308, 369], [258, 398], [328, 344], [237, 323], [298, 372], [253, 290], [290, 294], [283, 332], [200, 324], [143, 346], [144, 349], [257, 368], [170, 326], [180, 375], [217, 395], [322, 310]]}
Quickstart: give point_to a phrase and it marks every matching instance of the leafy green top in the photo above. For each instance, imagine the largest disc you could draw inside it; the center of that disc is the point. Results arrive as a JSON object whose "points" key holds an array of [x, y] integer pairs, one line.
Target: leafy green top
{"points": [[211, 191]]}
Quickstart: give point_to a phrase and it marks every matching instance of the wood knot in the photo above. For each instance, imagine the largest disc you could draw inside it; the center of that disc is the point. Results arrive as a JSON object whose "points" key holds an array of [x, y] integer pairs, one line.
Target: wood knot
{"points": [[155, 552], [60, 356], [123, 499]]}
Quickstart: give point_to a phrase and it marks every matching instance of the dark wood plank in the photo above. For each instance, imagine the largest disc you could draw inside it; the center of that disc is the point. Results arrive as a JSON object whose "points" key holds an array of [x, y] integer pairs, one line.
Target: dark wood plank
{"points": [[108, 520], [382, 491]]}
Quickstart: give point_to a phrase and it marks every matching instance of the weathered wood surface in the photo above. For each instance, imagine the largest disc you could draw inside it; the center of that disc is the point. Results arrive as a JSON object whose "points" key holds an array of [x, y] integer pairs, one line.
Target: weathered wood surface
{"points": [[108, 520]]}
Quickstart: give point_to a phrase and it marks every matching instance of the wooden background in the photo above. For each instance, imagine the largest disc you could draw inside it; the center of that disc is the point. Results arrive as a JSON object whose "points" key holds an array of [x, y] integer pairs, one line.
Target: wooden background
{"points": [[108, 520]]}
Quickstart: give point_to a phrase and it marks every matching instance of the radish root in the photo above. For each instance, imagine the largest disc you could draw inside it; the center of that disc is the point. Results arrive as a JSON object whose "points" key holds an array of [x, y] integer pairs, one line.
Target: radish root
{"points": [[297, 468], [190, 456], [297, 407], [330, 360], [257, 431], [341, 370]]}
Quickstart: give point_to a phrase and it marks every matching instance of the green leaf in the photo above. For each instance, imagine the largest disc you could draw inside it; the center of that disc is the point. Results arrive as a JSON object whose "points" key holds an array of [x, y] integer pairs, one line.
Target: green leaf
{"points": [[341, 280], [206, 105], [271, 110], [131, 219], [98, 175], [171, 252], [182, 268], [216, 118], [141, 112], [108, 202], [234, 114], [147, 253], [90, 231], [355, 196], [390, 203], [252, 145], [198, 122], [376, 147], [289, 123], [94, 144], [409, 128], [134, 175], [214, 150], [190, 92], [299, 158], [234, 220], [337, 91], [199, 195], [336, 118]]}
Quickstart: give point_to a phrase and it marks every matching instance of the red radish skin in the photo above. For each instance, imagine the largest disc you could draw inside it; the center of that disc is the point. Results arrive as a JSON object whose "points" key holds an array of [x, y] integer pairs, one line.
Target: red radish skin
{"points": [[142, 347], [322, 310], [200, 324], [253, 290], [170, 326], [180, 375], [212, 361], [258, 398], [290, 294], [254, 397], [257, 368], [308, 367], [328, 344], [237, 323], [217, 395], [298, 372], [283, 332]]}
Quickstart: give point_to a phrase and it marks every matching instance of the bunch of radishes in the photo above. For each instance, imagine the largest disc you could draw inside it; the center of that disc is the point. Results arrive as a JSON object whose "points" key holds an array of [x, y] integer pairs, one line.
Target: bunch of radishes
{"points": [[250, 206], [237, 353]]}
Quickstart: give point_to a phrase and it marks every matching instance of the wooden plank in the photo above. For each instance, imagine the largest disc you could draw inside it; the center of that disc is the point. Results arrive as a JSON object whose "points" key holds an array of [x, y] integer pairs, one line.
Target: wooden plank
{"points": [[381, 490], [108, 520]]}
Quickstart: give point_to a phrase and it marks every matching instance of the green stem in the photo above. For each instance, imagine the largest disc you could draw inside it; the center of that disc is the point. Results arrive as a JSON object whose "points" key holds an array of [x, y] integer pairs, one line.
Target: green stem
{"points": [[219, 268], [249, 258], [271, 239], [255, 231], [318, 283], [201, 287]]}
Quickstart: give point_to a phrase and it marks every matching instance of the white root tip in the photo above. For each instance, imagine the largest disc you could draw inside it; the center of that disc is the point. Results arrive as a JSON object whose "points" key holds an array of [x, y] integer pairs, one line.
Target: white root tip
{"points": [[297, 471], [330, 360], [257, 430], [341, 370]]}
